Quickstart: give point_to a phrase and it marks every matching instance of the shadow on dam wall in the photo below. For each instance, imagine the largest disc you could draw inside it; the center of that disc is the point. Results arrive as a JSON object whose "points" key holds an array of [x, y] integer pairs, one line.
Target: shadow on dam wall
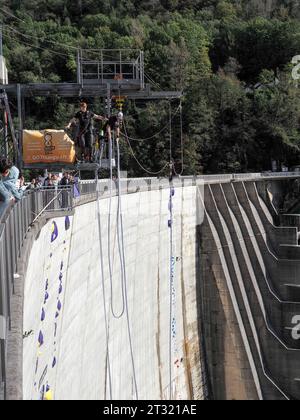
{"points": [[236, 293], [248, 292]]}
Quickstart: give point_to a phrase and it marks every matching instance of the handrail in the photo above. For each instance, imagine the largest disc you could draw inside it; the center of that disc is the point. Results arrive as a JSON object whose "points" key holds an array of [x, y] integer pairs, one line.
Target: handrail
{"points": [[14, 226]]}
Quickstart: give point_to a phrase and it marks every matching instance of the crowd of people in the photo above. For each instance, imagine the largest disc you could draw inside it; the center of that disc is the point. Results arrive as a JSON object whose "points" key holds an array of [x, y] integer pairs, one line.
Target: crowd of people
{"points": [[52, 180], [13, 185]]}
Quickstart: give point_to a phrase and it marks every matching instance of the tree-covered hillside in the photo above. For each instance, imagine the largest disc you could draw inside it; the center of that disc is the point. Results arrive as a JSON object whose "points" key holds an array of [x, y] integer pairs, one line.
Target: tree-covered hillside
{"points": [[232, 58]]}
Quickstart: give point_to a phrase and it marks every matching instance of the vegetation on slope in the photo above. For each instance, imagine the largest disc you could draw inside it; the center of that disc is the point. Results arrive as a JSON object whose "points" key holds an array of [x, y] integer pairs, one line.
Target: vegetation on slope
{"points": [[232, 58]]}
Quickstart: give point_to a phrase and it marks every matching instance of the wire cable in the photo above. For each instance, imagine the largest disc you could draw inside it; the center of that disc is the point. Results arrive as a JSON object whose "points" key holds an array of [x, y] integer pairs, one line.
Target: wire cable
{"points": [[156, 134], [11, 15], [39, 38], [138, 162], [171, 285], [125, 284], [36, 46], [103, 292], [181, 144], [114, 313]]}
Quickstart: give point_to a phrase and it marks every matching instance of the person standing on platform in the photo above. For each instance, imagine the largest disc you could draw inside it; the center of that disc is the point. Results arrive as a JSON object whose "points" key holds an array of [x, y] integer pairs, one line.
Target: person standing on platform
{"points": [[85, 119]]}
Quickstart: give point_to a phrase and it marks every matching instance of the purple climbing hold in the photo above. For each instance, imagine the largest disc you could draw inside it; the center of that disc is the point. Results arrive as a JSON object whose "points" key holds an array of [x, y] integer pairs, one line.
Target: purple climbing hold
{"points": [[41, 339], [47, 388], [61, 266], [54, 234], [47, 284], [51, 255], [60, 289], [43, 316], [54, 362], [67, 223], [169, 223], [60, 276], [46, 297], [57, 315], [59, 305]]}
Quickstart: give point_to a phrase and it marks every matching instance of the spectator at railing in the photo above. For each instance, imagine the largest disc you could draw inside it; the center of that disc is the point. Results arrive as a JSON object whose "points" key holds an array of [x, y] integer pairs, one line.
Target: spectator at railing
{"points": [[66, 180], [33, 185], [9, 191], [47, 181]]}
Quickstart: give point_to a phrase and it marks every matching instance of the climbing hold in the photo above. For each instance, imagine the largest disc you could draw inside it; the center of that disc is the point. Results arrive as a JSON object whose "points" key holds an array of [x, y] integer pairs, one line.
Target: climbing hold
{"points": [[61, 266], [47, 284], [60, 276], [170, 223], [60, 289], [46, 297], [54, 232], [59, 305], [41, 339], [67, 223], [43, 316], [48, 396], [57, 315], [54, 362]]}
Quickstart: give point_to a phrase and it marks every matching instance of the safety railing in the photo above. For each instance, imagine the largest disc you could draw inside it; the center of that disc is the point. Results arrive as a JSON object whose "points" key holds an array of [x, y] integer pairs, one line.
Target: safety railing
{"points": [[107, 66], [14, 225], [132, 185]]}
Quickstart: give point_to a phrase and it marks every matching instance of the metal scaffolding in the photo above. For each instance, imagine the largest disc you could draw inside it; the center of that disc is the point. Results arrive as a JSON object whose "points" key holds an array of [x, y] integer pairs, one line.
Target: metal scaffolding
{"points": [[100, 74]]}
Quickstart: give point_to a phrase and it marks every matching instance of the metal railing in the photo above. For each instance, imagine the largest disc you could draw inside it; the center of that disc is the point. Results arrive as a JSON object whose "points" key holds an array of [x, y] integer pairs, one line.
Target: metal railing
{"points": [[132, 185], [14, 225], [104, 66]]}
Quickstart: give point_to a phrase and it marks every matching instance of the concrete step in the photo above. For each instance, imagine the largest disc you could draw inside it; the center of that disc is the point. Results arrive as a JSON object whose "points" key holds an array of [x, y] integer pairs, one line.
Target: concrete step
{"points": [[293, 292]]}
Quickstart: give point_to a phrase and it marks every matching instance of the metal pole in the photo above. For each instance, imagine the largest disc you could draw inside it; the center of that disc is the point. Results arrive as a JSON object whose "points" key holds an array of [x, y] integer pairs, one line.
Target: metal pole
{"points": [[20, 139], [108, 100], [121, 70], [78, 67], [110, 152], [6, 151], [1, 39], [102, 67]]}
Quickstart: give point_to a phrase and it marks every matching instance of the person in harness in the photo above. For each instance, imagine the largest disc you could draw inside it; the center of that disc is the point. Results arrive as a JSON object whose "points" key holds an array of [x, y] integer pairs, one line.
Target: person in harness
{"points": [[84, 139], [113, 124]]}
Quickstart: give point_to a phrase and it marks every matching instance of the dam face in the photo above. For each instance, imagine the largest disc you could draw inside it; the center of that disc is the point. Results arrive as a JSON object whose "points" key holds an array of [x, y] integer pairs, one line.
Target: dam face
{"points": [[67, 351], [235, 300]]}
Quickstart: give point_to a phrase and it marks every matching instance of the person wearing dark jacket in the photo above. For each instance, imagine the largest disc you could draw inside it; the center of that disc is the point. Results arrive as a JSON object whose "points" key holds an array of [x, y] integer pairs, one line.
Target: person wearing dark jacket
{"points": [[85, 120]]}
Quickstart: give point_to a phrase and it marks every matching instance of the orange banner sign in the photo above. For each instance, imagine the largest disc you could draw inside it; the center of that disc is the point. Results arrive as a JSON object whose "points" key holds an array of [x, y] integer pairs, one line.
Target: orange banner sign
{"points": [[47, 146]]}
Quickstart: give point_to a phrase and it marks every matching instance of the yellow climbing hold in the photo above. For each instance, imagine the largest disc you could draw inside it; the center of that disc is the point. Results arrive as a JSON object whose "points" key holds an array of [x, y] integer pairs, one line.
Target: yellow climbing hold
{"points": [[48, 396]]}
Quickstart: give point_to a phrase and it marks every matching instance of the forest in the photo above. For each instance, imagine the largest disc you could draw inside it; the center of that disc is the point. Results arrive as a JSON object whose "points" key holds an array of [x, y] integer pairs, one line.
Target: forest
{"points": [[231, 58]]}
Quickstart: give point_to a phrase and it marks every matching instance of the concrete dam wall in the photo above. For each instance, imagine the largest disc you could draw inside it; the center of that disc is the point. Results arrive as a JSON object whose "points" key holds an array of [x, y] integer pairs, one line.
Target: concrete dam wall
{"points": [[67, 348], [236, 300]]}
